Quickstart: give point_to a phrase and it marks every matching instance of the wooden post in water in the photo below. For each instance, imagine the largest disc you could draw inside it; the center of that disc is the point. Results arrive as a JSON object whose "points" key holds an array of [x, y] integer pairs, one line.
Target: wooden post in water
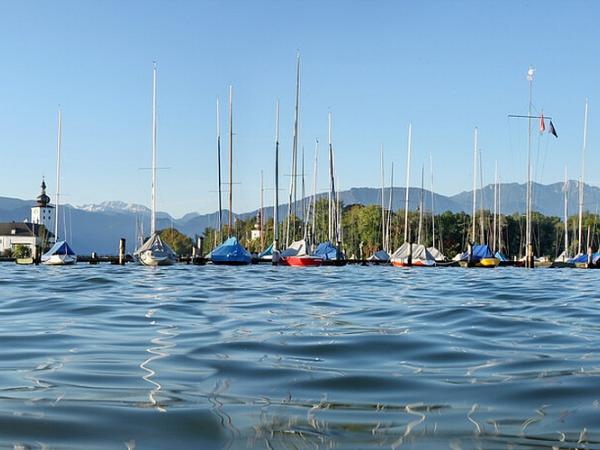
{"points": [[201, 246], [94, 258], [589, 257], [122, 251], [410, 255], [530, 257]]}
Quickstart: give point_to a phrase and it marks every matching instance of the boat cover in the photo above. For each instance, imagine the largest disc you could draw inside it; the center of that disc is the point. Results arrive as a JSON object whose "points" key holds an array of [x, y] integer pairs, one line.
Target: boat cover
{"points": [[231, 251], [419, 253], [584, 258], [59, 248], [157, 246], [327, 251], [501, 256], [379, 255], [297, 248], [437, 255], [267, 253], [480, 251]]}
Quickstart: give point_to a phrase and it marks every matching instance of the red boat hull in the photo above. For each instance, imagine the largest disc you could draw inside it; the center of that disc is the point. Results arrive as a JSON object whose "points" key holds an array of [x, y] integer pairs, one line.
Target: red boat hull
{"points": [[303, 261]]}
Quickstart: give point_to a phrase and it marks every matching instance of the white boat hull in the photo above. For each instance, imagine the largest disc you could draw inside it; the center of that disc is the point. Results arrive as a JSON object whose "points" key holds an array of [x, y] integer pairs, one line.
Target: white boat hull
{"points": [[60, 260], [152, 259]]}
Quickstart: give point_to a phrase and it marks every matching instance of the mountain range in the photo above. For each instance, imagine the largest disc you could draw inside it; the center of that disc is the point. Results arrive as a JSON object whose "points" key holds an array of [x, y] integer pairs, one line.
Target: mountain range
{"points": [[98, 227]]}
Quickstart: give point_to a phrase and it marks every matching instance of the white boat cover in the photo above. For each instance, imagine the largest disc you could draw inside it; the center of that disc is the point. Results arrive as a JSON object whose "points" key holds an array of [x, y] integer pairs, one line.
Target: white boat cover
{"points": [[158, 248], [419, 254], [297, 248], [437, 255]]}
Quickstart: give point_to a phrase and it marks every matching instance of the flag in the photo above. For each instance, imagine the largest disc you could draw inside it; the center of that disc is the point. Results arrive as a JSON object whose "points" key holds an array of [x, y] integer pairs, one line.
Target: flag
{"points": [[542, 124], [552, 130]]}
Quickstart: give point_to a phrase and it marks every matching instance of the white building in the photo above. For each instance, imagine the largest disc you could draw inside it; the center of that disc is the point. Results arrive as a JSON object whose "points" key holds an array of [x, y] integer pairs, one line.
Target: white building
{"points": [[43, 212], [34, 234]]}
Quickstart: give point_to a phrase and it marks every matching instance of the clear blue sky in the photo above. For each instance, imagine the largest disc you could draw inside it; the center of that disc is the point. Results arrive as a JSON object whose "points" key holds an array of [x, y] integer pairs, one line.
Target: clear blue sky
{"points": [[445, 66]]}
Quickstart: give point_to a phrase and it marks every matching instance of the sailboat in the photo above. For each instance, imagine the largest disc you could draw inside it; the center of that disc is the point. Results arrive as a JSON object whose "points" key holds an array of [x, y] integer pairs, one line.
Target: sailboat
{"points": [[437, 254], [230, 252], [410, 254], [477, 255], [329, 252], [382, 256], [61, 252], [154, 252], [298, 253]]}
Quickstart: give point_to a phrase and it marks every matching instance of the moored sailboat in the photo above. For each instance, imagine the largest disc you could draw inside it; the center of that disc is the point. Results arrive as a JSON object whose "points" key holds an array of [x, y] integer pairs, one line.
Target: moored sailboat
{"points": [[230, 252], [61, 253], [154, 252]]}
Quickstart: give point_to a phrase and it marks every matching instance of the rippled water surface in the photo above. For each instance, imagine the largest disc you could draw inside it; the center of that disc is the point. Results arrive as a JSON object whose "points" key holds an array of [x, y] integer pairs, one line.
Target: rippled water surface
{"points": [[280, 357]]}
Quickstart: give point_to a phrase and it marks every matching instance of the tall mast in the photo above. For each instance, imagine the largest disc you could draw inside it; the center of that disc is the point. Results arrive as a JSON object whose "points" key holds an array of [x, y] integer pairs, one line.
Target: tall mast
{"points": [[58, 145], [153, 218], [566, 212], [303, 196], [495, 207], [528, 248], [499, 214], [295, 143], [475, 145], [389, 219], [276, 206], [262, 211], [230, 160], [432, 205], [383, 243], [481, 227], [581, 180], [331, 183], [314, 195], [421, 206], [219, 171], [407, 183]]}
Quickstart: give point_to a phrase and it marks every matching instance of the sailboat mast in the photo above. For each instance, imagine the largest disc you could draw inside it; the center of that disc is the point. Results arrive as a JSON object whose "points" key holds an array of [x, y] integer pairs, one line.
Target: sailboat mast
{"points": [[383, 243], [230, 159], [566, 212], [475, 144], [153, 213], [219, 172], [528, 249], [481, 227], [581, 180], [407, 182], [421, 206], [388, 236], [303, 196], [331, 185], [495, 206], [432, 205], [276, 206], [58, 146], [262, 211], [314, 195], [295, 149]]}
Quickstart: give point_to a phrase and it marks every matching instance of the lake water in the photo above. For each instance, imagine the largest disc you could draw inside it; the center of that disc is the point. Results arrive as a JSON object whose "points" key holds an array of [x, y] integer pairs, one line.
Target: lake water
{"points": [[268, 357]]}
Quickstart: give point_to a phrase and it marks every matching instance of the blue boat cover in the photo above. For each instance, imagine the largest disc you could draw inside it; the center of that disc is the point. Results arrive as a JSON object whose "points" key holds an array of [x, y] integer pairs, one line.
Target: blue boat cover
{"points": [[501, 256], [60, 248], [480, 251], [327, 251], [231, 251], [584, 258], [266, 252]]}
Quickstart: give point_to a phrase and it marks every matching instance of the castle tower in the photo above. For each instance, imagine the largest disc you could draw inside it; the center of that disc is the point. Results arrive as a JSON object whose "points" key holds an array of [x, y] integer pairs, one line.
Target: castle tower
{"points": [[43, 212]]}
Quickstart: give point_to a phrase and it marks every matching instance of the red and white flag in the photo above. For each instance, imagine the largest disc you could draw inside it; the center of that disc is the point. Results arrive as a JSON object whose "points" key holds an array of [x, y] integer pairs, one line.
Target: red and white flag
{"points": [[542, 124]]}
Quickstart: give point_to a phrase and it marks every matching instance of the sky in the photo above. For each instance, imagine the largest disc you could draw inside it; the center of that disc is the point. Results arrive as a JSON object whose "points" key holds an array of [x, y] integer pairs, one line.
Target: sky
{"points": [[444, 66]]}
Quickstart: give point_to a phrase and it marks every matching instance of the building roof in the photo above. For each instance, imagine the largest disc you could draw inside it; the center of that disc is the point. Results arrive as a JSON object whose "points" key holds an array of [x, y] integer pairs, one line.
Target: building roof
{"points": [[21, 229]]}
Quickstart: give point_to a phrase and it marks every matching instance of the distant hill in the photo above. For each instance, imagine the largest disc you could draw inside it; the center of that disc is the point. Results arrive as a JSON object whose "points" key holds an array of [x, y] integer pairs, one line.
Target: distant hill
{"points": [[99, 227]]}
